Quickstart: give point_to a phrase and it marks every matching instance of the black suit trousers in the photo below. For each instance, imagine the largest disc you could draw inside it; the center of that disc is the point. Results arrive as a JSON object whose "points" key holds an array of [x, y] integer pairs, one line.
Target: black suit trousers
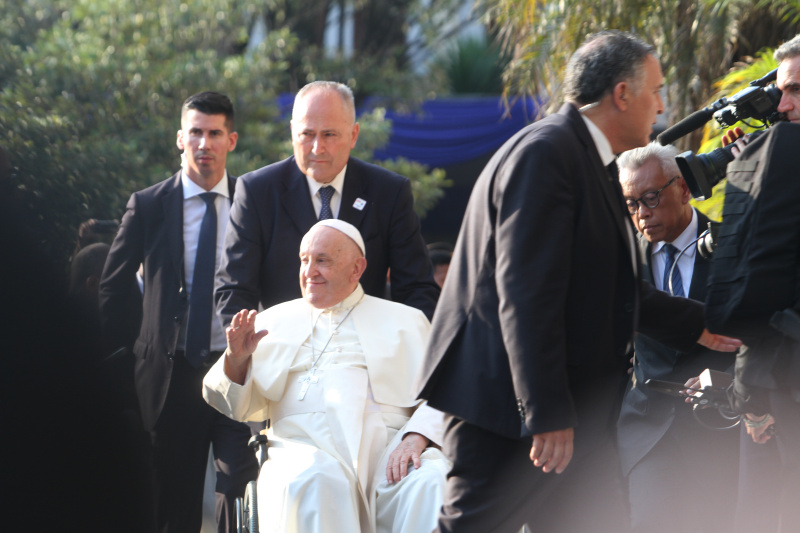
{"points": [[181, 439], [494, 487], [689, 477]]}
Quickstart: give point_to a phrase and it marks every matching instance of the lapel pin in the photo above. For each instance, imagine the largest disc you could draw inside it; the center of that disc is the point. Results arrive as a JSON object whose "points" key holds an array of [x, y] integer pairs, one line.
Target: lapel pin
{"points": [[359, 204]]}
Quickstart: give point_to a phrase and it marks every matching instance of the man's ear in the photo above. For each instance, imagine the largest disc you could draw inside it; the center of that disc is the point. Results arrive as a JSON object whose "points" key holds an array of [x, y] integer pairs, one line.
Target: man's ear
{"points": [[179, 141], [686, 194], [233, 137], [359, 268], [620, 95], [354, 135]]}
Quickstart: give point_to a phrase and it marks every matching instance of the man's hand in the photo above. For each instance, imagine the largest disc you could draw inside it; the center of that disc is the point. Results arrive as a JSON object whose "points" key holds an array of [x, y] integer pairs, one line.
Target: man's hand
{"points": [[409, 450], [242, 341], [692, 388], [737, 136], [719, 343], [757, 427], [552, 450]]}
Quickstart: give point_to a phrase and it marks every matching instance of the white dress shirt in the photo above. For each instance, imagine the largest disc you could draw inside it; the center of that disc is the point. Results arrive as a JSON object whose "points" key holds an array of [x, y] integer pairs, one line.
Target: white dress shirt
{"points": [[336, 200], [686, 261], [607, 157]]}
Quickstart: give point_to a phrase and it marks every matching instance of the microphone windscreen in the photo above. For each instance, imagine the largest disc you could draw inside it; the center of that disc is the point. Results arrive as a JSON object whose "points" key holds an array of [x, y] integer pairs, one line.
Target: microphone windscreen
{"points": [[685, 126]]}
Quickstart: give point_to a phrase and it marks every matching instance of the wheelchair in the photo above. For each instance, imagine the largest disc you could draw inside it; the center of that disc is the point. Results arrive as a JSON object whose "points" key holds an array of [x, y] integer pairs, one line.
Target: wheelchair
{"points": [[246, 508]]}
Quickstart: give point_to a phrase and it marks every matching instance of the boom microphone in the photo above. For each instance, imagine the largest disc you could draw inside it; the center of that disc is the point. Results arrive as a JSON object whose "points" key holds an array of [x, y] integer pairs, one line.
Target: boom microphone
{"points": [[685, 126]]}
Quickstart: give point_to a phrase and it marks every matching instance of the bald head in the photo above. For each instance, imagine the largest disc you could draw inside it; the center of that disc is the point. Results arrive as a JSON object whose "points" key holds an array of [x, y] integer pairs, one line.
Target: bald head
{"points": [[331, 265]]}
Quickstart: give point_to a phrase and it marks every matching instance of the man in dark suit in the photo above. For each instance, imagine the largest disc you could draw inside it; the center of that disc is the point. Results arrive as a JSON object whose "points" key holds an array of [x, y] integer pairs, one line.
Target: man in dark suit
{"points": [[529, 342], [175, 229], [678, 471], [276, 205]]}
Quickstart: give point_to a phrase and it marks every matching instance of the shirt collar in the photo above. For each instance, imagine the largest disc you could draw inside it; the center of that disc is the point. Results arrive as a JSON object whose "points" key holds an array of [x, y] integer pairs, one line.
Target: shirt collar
{"points": [[337, 183], [345, 305], [684, 239], [191, 189], [600, 141]]}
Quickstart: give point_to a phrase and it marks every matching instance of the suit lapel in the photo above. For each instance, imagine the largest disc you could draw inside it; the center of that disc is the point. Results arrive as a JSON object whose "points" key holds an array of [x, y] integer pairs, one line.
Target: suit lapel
{"points": [[172, 208], [355, 188], [610, 194], [296, 200]]}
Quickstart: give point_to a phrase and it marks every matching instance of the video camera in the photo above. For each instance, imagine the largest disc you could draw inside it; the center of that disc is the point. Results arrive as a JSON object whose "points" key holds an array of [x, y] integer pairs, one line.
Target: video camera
{"points": [[702, 172]]}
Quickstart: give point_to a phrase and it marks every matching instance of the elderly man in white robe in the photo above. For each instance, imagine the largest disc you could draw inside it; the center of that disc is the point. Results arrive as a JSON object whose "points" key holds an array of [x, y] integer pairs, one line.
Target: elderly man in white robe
{"points": [[351, 450]]}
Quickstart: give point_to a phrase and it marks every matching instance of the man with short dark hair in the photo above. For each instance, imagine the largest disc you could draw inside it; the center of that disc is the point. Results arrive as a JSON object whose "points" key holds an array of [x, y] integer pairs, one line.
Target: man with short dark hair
{"points": [[274, 206], [661, 445], [175, 230], [528, 345]]}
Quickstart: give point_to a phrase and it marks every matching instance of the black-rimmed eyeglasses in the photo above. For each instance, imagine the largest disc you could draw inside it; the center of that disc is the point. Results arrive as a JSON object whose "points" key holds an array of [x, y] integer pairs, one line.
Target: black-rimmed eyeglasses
{"points": [[648, 199]]}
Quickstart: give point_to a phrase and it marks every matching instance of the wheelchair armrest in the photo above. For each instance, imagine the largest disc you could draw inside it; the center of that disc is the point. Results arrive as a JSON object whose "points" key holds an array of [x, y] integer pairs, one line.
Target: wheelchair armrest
{"points": [[257, 440]]}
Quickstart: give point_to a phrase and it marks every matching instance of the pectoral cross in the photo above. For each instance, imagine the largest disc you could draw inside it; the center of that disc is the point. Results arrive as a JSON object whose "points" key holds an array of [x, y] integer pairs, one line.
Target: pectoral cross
{"points": [[307, 380]]}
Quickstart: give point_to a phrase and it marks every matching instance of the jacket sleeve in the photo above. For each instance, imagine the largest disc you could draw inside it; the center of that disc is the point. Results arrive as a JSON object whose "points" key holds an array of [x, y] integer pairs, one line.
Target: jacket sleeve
{"points": [[675, 321], [120, 297], [411, 271], [237, 284], [533, 191]]}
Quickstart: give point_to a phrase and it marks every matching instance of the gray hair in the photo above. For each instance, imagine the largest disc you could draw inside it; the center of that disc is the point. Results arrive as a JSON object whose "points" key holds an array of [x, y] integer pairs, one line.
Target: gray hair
{"points": [[341, 89], [638, 157], [601, 62], [788, 50]]}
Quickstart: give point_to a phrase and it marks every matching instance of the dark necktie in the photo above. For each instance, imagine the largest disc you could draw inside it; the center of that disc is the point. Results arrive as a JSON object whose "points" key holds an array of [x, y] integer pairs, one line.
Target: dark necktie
{"points": [[198, 328], [677, 281], [325, 194]]}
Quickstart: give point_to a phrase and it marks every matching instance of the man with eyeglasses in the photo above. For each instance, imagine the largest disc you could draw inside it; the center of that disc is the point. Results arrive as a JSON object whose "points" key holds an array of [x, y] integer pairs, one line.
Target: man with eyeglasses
{"points": [[678, 471]]}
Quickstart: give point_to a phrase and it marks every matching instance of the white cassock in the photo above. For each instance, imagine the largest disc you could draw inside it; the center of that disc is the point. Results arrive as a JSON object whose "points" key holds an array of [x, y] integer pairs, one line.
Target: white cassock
{"points": [[328, 452]]}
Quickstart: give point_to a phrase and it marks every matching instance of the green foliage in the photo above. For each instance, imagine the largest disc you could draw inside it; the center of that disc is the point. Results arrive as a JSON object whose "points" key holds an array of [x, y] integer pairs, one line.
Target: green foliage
{"points": [[474, 66], [90, 96], [427, 185], [695, 39]]}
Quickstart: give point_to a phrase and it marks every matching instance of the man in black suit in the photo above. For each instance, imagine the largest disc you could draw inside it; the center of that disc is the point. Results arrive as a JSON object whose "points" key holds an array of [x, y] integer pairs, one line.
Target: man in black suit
{"points": [[276, 205], [678, 471], [528, 346], [175, 229]]}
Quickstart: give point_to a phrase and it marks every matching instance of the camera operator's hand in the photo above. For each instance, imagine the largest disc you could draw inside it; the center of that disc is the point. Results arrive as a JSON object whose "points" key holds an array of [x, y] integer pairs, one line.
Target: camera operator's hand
{"points": [[692, 388], [718, 343], [758, 427], [738, 137]]}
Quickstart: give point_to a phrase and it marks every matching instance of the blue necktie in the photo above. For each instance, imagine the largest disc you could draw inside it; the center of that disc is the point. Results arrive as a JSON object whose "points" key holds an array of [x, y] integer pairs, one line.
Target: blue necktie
{"points": [[198, 327], [325, 194], [677, 282]]}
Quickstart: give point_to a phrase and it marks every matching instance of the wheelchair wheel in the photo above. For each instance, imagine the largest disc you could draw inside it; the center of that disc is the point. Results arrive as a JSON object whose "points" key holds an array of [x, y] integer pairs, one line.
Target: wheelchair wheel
{"points": [[250, 509], [239, 513]]}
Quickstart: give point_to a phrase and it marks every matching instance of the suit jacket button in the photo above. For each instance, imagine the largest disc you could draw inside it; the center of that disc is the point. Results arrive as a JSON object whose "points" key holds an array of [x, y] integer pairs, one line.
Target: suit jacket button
{"points": [[176, 318], [628, 308], [171, 355]]}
